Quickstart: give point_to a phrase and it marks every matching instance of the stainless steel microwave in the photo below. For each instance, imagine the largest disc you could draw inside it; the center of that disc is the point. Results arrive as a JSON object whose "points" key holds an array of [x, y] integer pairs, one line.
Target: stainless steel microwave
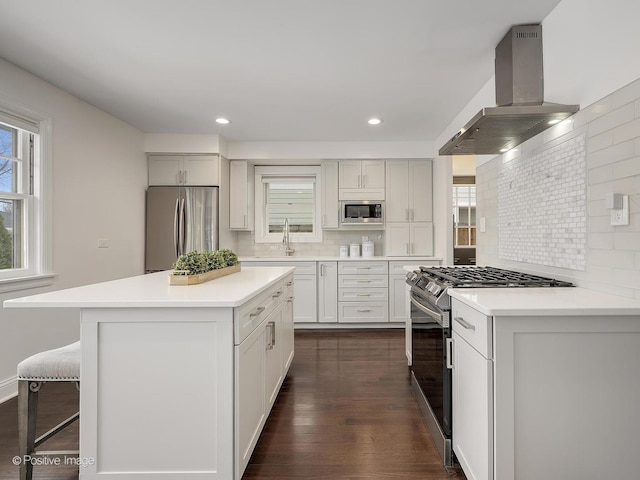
{"points": [[362, 212]]}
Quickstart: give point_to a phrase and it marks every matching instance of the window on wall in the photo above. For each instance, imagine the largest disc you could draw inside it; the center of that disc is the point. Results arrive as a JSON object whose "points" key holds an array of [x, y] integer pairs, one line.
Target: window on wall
{"points": [[23, 243], [286, 193]]}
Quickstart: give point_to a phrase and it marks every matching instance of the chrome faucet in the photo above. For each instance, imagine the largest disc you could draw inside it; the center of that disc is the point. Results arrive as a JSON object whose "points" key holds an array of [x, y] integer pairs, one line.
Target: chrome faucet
{"points": [[285, 239]]}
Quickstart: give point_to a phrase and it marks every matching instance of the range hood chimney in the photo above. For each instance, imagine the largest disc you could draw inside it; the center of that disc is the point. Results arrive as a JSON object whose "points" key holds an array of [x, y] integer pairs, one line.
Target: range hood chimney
{"points": [[521, 112]]}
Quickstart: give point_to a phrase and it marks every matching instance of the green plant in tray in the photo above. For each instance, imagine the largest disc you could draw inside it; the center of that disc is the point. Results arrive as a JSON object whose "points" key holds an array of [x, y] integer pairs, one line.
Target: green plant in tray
{"points": [[196, 262]]}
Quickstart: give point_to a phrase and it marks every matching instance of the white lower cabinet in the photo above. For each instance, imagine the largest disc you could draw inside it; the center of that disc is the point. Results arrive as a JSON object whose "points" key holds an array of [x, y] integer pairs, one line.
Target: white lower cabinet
{"points": [[472, 410], [327, 292], [262, 360], [363, 293]]}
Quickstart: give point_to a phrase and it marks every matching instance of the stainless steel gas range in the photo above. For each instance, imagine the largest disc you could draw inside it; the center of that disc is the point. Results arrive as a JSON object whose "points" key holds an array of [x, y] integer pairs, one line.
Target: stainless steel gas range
{"points": [[431, 335]]}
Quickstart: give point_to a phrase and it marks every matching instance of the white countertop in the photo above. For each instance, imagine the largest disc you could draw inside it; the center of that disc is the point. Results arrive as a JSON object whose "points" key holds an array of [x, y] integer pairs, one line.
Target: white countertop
{"points": [[153, 290], [545, 301], [409, 260]]}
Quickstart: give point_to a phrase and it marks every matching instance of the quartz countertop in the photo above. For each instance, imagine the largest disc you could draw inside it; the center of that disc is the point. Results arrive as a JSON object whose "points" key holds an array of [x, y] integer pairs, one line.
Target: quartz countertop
{"points": [[565, 301], [153, 290]]}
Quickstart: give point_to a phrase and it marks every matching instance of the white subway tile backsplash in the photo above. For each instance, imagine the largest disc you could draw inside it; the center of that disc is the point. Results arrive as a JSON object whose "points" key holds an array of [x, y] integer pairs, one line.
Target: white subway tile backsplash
{"points": [[619, 151], [542, 207], [627, 131], [613, 119]]}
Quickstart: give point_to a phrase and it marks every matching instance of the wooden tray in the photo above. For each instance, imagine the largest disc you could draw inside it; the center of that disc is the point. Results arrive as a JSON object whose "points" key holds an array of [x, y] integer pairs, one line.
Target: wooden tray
{"points": [[202, 277]]}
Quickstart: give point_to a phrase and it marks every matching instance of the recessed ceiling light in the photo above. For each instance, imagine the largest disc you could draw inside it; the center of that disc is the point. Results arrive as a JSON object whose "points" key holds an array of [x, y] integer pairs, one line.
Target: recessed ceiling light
{"points": [[374, 121], [223, 121]]}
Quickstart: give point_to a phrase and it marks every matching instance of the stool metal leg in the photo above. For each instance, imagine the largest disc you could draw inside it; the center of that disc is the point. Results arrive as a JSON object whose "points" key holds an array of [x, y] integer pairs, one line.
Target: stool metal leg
{"points": [[27, 415]]}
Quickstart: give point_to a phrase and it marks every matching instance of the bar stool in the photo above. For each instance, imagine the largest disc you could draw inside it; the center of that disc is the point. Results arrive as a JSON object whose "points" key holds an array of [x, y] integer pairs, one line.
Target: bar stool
{"points": [[57, 365]]}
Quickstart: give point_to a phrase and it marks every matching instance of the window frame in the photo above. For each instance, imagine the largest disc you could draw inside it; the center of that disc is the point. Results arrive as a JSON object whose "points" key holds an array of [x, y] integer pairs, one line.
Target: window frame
{"points": [[262, 173], [37, 212]]}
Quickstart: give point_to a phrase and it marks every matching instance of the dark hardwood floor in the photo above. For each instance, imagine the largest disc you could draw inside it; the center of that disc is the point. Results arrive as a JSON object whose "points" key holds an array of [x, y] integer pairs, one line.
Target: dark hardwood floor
{"points": [[345, 411]]}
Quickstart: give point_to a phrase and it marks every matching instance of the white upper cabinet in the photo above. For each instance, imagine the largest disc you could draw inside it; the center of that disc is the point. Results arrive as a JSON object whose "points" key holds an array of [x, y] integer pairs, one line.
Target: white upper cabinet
{"points": [[361, 179], [409, 239], [184, 170], [330, 206], [409, 184], [241, 192]]}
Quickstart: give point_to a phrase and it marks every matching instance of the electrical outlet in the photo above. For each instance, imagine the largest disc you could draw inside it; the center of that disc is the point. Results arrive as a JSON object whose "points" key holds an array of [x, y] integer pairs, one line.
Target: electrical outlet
{"points": [[103, 243], [621, 216]]}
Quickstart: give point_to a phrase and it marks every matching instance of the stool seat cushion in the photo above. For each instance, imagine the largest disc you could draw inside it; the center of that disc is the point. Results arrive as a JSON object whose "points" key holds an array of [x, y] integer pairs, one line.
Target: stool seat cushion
{"points": [[59, 364]]}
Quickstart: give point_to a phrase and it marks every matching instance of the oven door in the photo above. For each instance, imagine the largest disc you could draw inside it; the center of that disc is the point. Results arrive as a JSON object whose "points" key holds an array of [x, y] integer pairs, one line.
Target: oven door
{"points": [[429, 335]]}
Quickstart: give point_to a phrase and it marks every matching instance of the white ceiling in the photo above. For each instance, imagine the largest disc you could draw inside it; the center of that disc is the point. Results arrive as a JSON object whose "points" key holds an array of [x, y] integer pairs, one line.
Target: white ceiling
{"points": [[281, 70]]}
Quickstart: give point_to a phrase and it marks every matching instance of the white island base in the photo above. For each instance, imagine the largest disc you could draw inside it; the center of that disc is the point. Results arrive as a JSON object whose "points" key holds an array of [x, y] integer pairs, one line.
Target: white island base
{"points": [[177, 381]]}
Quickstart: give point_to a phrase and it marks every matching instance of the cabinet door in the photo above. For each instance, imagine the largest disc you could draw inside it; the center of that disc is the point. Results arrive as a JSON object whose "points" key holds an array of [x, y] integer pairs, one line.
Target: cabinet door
{"points": [[201, 170], [420, 181], [372, 172], [273, 355], [349, 174], [250, 394], [397, 193], [238, 196], [165, 170], [421, 238], [396, 239], [398, 299], [328, 292], [330, 206], [472, 414], [287, 333], [305, 309]]}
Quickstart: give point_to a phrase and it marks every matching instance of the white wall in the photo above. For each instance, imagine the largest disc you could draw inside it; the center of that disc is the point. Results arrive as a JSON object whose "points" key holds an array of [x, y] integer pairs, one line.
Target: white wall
{"points": [[99, 180], [589, 52]]}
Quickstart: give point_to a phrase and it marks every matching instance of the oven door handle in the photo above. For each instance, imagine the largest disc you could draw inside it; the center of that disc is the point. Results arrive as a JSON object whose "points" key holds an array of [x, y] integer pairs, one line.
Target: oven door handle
{"points": [[437, 316]]}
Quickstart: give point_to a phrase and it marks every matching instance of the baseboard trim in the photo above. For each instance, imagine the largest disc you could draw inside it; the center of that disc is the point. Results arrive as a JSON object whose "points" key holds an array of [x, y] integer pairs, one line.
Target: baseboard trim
{"points": [[8, 388]]}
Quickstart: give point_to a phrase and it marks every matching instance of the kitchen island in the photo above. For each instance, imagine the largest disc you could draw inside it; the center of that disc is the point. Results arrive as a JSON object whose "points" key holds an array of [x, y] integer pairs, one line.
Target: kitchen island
{"points": [[177, 381], [546, 383]]}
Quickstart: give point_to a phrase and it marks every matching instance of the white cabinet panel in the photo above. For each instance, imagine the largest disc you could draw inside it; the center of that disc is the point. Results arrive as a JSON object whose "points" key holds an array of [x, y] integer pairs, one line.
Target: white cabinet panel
{"points": [[305, 308], [328, 292], [250, 395], [329, 201], [472, 414], [273, 355], [409, 239], [369, 312], [184, 170], [361, 179], [398, 299], [409, 186], [241, 191]]}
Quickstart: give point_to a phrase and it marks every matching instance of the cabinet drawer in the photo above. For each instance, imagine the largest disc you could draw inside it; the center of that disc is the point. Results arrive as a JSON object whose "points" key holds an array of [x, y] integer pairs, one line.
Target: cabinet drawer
{"points": [[363, 294], [302, 268], [248, 316], [362, 267], [473, 326], [363, 281], [354, 312]]}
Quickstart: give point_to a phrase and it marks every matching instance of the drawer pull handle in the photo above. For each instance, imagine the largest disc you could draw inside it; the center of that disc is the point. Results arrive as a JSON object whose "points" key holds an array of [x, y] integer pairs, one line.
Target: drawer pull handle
{"points": [[363, 294], [277, 294], [364, 310], [289, 283], [464, 323], [258, 311], [363, 268], [363, 281]]}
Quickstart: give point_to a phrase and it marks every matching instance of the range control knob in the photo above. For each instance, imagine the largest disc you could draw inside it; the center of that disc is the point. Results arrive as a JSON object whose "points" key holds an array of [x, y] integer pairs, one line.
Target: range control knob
{"points": [[421, 282], [434, 288]]}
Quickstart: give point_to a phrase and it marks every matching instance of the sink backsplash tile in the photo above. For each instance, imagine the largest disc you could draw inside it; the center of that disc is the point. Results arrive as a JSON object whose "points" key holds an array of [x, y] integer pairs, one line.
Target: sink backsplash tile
{"points": [[330, 246]]}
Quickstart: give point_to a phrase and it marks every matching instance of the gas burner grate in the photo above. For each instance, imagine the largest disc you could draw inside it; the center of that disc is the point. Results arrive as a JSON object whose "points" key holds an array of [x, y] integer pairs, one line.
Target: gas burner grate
{"points": [[479, 277]]}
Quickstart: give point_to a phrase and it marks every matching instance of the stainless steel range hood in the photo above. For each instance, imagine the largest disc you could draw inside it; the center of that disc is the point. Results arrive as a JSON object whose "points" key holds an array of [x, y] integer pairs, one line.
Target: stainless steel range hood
{"points": [[521, 112]]}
